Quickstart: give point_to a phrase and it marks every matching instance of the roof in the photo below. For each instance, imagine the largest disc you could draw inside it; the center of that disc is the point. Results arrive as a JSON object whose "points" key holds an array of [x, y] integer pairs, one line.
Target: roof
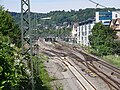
{"points": [[118, 19], [114, 25], [87, 21], [114, 21]]}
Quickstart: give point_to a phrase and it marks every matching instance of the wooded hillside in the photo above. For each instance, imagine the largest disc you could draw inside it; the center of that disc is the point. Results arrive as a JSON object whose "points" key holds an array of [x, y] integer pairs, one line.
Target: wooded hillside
{"points": [[63, 17]]}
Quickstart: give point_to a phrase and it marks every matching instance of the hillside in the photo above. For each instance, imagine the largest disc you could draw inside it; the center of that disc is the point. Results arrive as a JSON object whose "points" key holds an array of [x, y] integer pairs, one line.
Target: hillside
{"points": [[63, 17]]}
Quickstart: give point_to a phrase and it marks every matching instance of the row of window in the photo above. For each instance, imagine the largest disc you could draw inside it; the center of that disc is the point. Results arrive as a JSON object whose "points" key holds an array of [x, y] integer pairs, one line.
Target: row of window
{"points": [[83, 32]]}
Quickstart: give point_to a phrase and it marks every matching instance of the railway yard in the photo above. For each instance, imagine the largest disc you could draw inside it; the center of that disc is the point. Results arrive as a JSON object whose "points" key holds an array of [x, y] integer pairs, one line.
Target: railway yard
{"points": [[74, 69]]}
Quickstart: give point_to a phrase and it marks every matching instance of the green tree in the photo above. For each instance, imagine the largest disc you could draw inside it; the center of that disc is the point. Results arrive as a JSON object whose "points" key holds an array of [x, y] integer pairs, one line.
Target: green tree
{"points": [[12, 70], [8, 27], [117, 47], [102, 40]]}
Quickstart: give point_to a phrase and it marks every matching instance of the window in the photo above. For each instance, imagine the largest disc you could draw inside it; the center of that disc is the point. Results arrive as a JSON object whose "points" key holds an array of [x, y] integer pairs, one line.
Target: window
{"points": [[85, 29], [116, 15], [82, 28], [89, 26], [83, 33], [85, 38], [116, 24], [82, 38], [89, 32], [79, 33]]}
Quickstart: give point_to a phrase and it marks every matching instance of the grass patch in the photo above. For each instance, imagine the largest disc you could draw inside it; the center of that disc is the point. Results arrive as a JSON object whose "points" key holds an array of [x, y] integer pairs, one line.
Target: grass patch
{"points": [[113, 59], [41, 76], [44, 76]]}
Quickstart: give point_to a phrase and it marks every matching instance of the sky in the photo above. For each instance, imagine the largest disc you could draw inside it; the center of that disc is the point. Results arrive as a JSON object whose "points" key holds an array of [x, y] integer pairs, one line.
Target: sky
{"points": [[43, 6]]}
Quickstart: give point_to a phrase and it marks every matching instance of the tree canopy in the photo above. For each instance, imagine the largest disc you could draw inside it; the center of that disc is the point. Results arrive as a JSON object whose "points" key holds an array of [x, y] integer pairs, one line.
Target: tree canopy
{"points": [[13, 74], [12, 70], [102, 40], [8, 27], [59, 17]]}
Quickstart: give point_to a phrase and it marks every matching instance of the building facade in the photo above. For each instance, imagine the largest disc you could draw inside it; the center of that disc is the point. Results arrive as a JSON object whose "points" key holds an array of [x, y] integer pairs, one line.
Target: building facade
{"points": [[83, 31], [85, 27], [106, 17]]}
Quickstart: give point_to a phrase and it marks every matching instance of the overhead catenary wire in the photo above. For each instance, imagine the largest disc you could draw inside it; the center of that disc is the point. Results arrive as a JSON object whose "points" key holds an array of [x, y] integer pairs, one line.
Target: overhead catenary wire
{"points": [[98, 4]]}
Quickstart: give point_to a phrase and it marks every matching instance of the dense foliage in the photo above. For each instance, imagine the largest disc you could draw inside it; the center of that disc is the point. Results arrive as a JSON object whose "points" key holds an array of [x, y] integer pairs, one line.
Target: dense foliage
{"points": [[12, 70], [117, 47], [61, 32], [15, 69], [102, 40], [8, 27], [13, 73], [41, 76]]}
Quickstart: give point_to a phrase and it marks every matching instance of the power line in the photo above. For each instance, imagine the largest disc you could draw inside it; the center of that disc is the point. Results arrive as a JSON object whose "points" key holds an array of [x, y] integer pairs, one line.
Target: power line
{"points": [[98, 4]]}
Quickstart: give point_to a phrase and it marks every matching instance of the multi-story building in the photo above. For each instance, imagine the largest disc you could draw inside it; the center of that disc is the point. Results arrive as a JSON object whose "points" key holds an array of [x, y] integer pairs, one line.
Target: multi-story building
{"points": [[85, 27], [106, 17], [84, 30]]}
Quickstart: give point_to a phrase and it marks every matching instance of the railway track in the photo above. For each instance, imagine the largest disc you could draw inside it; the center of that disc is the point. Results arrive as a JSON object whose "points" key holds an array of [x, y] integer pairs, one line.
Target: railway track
{"points": [[109, 79], [103, 63], [95, 71], [84, 82], [113, 84], [65, 50], [91, 58]]}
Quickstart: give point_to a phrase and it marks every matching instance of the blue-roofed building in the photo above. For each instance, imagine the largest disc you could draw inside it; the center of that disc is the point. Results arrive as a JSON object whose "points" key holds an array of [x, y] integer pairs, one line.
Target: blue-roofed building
{"points": [[106, 17]]}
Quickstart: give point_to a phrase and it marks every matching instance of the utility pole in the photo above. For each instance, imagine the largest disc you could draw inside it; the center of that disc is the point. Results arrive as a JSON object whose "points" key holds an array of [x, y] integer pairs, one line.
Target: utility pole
{"points": [[26, 35], [35, 39], [35, 26]]}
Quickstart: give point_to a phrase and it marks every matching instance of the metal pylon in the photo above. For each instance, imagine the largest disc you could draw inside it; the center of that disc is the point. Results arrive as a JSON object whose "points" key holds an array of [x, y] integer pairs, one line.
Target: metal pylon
{"points": [[26, 33]]}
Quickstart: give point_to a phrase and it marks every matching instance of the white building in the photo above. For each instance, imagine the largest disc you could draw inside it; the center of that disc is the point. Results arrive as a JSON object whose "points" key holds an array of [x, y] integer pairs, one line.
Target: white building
{"points": [[115, 14], [84, 30], [85, 27], [106, 17]]}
